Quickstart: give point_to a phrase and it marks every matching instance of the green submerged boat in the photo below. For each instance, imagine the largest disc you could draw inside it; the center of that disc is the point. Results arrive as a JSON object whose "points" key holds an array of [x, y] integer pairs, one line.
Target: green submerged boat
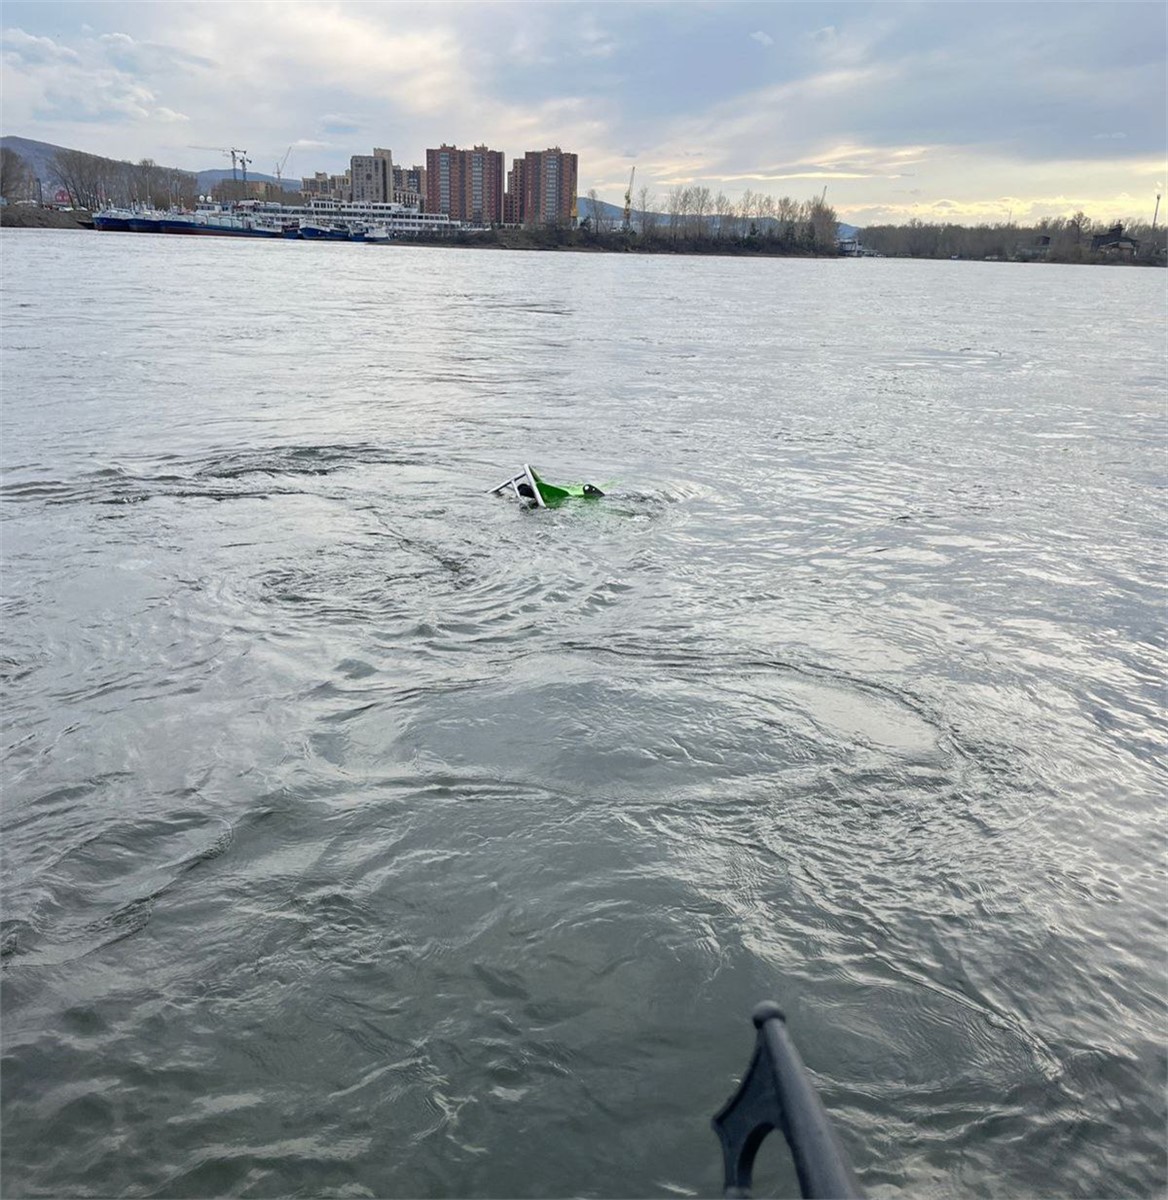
{"points": [[527, 485]]}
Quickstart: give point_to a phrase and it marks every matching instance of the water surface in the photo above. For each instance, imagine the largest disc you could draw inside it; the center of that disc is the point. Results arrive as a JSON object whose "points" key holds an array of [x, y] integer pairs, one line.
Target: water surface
{"points": [[365, 835]]}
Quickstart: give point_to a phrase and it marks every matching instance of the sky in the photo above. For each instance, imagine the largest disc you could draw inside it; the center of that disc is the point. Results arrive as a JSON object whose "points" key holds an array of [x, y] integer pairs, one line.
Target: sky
{"points": [[954, 111]]}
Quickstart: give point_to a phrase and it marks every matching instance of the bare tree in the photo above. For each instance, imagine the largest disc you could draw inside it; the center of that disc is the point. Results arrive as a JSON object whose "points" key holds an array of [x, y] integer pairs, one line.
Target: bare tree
{"points": [[823, 227], [593, 208], [701, 202], [646, 202], [723, 210], [787, 215], [16, 179], [746, 212], [80, 175], [687, 210], [603, 220], [676, 209], [1079, 226], [93, 181]]}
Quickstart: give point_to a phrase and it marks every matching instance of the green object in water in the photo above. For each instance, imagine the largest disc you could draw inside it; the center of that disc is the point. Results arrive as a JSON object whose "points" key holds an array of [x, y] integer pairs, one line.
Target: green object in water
{"points": [[527, 485], [552, 494]]}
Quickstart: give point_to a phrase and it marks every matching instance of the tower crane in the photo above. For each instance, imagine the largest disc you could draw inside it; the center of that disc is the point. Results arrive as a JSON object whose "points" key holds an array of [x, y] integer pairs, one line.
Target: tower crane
{"points": [[238, 159], [280, 168], [629, 202]]}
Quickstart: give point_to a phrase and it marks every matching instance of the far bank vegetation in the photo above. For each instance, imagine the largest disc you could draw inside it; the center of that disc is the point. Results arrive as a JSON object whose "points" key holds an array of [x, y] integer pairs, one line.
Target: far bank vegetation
{"points": [[1053, 239]]}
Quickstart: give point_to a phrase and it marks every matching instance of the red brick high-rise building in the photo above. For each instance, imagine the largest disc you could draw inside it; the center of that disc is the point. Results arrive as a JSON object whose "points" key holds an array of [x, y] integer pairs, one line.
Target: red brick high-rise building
{"points": [[465, 184], [548, 188], [513, 200]]}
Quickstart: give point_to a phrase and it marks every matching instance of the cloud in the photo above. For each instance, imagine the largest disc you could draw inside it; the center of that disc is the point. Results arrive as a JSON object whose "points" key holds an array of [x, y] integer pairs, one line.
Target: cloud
{"points": [[50, 82], [856, 96], [356, 51], [148, 58], [342, 123], [593, 40], [25, 49]]}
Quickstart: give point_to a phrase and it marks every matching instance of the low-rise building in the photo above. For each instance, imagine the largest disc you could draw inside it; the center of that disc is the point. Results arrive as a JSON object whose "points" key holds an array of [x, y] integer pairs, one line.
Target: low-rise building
{"points": [[1115, 243]]}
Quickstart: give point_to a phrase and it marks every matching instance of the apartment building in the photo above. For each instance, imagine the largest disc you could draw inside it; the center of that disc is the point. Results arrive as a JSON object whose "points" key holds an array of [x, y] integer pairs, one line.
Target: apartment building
{"points": [[322, 184], [371, 177], [467, 185], [513, 198], [464, 185], [410, 179], [547, 188], [409, 186]]}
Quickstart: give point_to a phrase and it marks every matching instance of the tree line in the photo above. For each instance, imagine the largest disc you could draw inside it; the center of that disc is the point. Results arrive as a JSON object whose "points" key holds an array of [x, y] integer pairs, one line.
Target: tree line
{"points": [[1053, 239], [694, 218], [92, 181]]}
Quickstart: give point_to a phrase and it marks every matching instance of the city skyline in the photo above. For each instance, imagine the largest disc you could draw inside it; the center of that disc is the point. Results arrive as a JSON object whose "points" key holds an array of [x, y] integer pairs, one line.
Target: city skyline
{"points": [[963, 112]]}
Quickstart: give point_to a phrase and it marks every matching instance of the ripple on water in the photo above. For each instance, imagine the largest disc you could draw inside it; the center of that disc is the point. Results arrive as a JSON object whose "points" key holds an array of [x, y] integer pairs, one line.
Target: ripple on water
{"points": [[623, 728], [103, 887]]}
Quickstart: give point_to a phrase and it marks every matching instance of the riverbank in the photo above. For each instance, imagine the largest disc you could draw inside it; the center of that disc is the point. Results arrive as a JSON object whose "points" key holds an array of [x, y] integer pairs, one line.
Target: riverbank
{"points": [[32, 216], [587, 241]]}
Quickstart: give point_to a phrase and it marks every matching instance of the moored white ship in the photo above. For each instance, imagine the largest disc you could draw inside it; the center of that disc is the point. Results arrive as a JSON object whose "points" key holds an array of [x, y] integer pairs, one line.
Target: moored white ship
{"points": [[319, 220]]}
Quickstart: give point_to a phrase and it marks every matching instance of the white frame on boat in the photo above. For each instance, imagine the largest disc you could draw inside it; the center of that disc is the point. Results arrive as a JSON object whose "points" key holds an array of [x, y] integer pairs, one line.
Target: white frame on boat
{"points": [[524, 476]]}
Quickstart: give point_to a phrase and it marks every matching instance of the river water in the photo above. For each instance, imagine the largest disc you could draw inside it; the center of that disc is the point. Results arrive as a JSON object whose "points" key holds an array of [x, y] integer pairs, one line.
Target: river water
{"points": [[367, 835]]}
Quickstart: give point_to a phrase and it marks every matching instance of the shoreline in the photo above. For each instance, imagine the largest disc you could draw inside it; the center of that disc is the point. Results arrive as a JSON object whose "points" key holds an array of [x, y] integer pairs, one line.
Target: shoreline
{"points": [[572, 241]]}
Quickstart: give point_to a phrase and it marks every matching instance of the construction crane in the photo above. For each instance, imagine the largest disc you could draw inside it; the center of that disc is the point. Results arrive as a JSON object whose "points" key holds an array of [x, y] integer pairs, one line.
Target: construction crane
{"points": [[629, 202], [280, 168], [236, 156]]}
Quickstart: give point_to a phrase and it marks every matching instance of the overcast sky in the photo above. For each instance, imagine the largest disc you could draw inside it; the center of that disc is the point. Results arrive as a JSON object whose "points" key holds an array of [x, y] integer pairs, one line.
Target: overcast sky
{"points": [[964, 111]]}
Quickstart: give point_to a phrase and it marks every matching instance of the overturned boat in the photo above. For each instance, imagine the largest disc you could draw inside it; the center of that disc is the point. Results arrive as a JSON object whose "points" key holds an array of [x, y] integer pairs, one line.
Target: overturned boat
{"points": [[527, 485]]}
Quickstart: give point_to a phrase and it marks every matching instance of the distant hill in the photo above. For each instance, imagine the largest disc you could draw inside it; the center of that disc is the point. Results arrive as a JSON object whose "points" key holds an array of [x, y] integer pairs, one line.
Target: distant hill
{"points": [[208, 179], [36, 154], [39, 156], [604, 210]]}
